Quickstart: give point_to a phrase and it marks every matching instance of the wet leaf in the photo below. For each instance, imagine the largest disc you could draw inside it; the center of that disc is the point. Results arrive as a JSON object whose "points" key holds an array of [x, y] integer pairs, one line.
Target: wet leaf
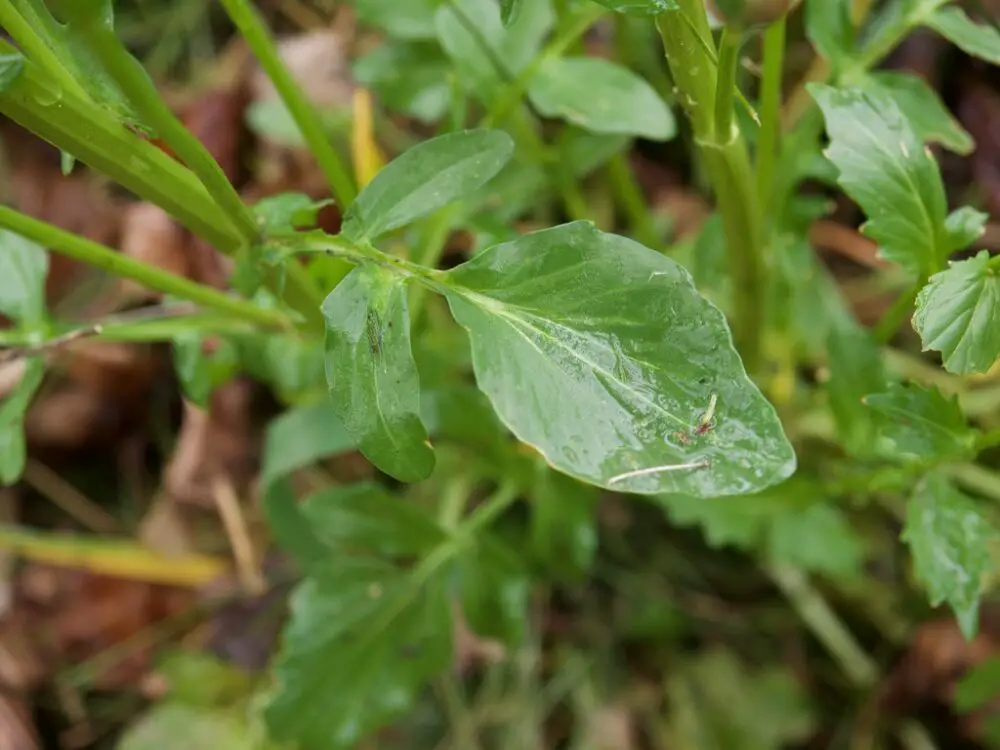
{"points": [[370, 370], [484, 53], [980, 40], [365, 517], [12, 447], [601, 354], [600, 96], [494, 589], [950, 542], [639, 7], [958, 314], [23, 267], [923, 108], [363, 639], [413, 19], [428, 176], [922, 423], [886, 169]]}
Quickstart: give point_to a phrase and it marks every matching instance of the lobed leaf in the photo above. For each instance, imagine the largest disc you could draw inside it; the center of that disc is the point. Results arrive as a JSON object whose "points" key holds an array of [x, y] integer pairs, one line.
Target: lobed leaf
{"points": [[886, 169], [922, 107], [958, 314], [425, 178], [950, 542], [977, 39], [371, 374], [922, 423], [601, 354], [600, 96]]}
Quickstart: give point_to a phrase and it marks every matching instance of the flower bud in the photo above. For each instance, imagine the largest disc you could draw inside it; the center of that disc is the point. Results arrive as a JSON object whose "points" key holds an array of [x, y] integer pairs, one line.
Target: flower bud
{"points": [[750, 12]]}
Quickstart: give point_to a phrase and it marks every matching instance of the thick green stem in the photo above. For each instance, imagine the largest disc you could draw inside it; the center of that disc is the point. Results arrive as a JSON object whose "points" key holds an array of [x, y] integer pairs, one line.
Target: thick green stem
{"points": [[38, 104], [250, 25], [770, 114], [708, 92], [136, 85], [98, 256]]}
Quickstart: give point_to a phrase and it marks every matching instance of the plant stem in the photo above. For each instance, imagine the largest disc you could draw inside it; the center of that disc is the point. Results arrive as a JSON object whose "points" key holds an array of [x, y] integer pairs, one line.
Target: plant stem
{"points": [[632, 201], [686, 39], [725, 84], [770, 113], [893, 318], [98, 256], [36, 50], [36, 103], [256, 34], [137, 86]]}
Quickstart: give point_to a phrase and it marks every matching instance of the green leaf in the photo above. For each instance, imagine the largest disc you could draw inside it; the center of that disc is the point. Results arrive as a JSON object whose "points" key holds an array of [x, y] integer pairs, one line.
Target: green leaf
{"points": [[270, 119], [201, 372], [963, 227], [365, 517], [958, 314], [510, 10], [484, 53], [600, 96], [370, 370], [23, 268], [12, 448], [292, 366], [413, 19], [979, 687], [828, 25], [70, 41], [425, 178], [202, 680], [923, 108], [639, 7], [494, 590], [980, 40], [363, 639], [818, 538], [855, 364], [726, 521], [950, 542], [66, 163], [601, 354], [288, 211], [191, 728], [11, 67], [922, 423], [563, 524], [886, 169], [411, 78]]}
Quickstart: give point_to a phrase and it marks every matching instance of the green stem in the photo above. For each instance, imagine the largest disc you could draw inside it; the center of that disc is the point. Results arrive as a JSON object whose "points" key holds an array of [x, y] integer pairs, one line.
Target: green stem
{"points": [[825, 625], [137, 86], [98, 256], [36, 50], [725, 85], [256, 34], [35, 102], [893, 318], [685, 33], [632, 201], [770, 113]]}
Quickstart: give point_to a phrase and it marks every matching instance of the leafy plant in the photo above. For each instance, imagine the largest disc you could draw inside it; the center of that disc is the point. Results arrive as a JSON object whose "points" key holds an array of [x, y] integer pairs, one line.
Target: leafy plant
{"points": [[575, 359]]}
